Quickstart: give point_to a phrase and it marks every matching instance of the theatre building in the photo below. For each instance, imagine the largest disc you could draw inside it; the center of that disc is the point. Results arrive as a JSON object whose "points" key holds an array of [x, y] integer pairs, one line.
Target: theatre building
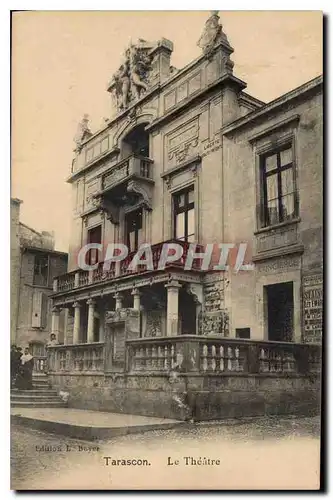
{"points": [[190, 157]]}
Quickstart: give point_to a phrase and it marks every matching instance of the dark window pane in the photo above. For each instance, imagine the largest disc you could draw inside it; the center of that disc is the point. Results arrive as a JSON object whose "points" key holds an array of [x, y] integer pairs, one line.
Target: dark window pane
{"points": [[190, 222]]}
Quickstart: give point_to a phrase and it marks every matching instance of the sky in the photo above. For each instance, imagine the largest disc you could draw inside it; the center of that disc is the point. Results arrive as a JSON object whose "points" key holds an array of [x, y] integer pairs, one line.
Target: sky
{"points": [[62, 61]]}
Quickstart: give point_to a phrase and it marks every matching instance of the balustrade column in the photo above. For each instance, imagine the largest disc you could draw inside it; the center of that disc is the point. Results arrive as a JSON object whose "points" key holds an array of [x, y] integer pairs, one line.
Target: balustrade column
{"points": [[136, 299], [77, 319], [55, 321], [91, 312], [119, 300], [173, 307]]}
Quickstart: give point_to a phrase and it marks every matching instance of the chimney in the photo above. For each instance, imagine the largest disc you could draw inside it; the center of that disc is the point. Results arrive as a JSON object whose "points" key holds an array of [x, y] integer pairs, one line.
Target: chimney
{"points": [[161, 55]]}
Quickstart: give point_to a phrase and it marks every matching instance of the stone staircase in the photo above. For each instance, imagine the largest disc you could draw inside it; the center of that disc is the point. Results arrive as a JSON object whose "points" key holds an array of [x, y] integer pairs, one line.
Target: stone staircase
{"points": [[41, 396]]}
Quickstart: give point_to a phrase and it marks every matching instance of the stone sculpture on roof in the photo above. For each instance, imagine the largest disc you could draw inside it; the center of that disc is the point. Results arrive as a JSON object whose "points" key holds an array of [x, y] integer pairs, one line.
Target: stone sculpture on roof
{"points": [[132, 78], [212, 33], [83, 131]]}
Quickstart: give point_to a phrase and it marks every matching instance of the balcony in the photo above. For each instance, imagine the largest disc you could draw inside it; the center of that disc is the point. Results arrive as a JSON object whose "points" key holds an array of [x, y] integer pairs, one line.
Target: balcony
{"points": [[126, 183], [80, 278]]}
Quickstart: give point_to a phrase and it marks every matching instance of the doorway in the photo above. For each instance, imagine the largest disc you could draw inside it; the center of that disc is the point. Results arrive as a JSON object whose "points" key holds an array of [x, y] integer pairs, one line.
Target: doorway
{"points": [[187, 313], [280, 311]]}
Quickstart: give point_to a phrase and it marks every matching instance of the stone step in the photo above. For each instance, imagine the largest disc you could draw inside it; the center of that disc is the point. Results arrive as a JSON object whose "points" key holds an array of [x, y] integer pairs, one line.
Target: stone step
{"points": [[38, 404], [35, 397], [40, 386], [46, 392]]}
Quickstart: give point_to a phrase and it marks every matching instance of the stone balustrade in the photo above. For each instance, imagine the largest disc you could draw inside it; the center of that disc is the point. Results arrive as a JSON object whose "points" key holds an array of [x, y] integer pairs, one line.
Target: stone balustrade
{"points": [[209, 355], [76, 358], [134, 165], [40, 364]]}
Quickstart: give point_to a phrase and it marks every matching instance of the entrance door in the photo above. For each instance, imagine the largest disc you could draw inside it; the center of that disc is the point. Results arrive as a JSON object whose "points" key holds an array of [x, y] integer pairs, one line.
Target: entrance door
{"points": [[280, 312]]}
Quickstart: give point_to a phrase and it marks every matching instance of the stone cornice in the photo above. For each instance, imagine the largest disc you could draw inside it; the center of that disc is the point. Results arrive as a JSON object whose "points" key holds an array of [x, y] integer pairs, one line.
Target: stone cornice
{"points": [[107, 155], [182, 166], [279, 252], [272, 106], [181, 107], [275, 126]]}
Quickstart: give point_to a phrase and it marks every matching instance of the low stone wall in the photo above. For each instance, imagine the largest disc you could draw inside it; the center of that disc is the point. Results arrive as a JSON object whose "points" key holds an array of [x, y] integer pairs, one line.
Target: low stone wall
{"points": [[203, 397]]}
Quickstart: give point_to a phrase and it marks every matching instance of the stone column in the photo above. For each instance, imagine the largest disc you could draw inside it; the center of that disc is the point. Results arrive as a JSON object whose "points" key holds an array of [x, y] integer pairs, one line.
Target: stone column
{"points": [[119, 300], [55, 321], [66, 326], [136, 299], [91, 311], [77, 316], [173, 307]]}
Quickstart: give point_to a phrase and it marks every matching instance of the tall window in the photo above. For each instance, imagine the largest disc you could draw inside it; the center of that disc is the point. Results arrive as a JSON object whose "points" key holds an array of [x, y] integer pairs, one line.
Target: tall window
{"points": [[133, 229], [279, 192], [184, 225], [41, 270], [94, 236]]}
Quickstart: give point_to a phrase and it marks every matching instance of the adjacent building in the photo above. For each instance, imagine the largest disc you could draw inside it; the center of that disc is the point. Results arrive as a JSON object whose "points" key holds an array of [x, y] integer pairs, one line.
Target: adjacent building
{"points": [[34, 264]]}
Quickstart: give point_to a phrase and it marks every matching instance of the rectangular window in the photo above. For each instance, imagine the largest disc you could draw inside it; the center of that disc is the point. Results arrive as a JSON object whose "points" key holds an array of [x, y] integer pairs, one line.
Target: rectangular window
{"points": [[133, 230], [243, 333], [279, 203], [41, 270], [184, 218], [94, 236]]}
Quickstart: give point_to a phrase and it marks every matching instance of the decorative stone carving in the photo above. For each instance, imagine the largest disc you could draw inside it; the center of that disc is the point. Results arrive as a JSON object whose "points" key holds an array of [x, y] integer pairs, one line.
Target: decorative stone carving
{"points": [[107, 207], [184, 150], [120, 315], [154, 324], [214, 296], [212, 34], [83, 131], [132, 78], [214, 323], [196, 290], [144, 191]]}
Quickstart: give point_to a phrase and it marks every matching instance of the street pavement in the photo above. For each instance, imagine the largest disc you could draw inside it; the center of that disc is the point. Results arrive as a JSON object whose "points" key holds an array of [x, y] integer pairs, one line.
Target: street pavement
{"points": [[264, 453]]}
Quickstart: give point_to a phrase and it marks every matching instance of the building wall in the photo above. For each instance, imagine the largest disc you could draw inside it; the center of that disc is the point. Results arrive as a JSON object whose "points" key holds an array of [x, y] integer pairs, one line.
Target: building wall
{"points": [[241, 202], [28, 293]]}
